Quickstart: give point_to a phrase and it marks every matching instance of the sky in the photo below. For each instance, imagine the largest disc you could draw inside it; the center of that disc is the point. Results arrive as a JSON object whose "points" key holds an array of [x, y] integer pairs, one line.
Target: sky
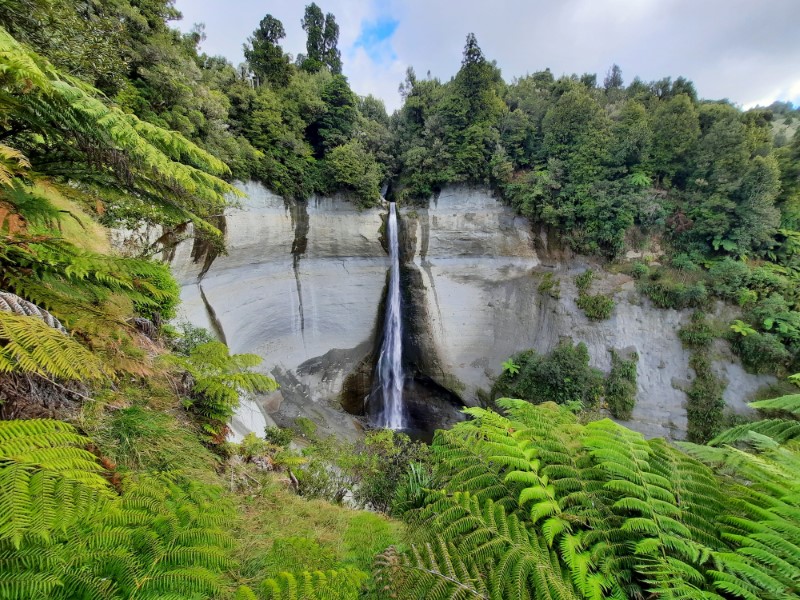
{"points": [[747, 51]]}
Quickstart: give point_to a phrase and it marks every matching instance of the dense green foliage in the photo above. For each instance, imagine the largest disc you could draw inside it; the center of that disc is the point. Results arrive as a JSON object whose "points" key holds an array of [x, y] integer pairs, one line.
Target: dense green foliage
{"points": [[370, 471], [597, 307], [563, 376], [611, 168], [620, 385], [594, 161], [534, 505], [111, 116]]}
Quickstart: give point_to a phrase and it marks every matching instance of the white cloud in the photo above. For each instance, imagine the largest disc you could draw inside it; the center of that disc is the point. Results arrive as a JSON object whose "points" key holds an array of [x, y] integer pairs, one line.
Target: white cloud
{"points": [[738, 49]]}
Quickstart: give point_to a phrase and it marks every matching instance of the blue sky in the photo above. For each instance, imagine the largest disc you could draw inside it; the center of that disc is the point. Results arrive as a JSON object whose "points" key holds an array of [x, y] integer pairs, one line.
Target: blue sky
{"points": [[745, 50]]}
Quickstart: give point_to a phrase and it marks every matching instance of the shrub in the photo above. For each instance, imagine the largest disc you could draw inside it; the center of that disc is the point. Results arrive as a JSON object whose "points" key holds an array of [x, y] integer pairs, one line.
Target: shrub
{"points": [[684, 262], [550, 285], [278, 436], [621, 385], [704, 410], [564, 376], [760, 352], [371, 470], [698, 334], [727, 277], [190, 337], [597, 307], [640, 270], [381, 463], [668, 293], [764, 282]]}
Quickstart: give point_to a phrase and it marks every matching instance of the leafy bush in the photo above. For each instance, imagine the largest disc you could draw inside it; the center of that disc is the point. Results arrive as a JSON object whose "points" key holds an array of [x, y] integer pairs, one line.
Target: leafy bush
{"points": [[727, 277], [760, 352], [620, 385], [668, 293], [698, 334], [278, 436], [380, 465], [370, 470], [640, 270], [704, 410], [350, 166], [550, 285], [190, 337], [597, 307], [564, 376]]}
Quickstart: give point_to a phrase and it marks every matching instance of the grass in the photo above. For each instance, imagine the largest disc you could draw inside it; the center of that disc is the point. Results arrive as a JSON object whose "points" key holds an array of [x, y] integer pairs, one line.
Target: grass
{"points": [[281, 531]]}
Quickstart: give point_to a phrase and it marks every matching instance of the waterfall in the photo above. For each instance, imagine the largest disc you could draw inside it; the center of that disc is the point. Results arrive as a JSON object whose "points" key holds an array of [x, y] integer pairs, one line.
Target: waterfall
{"points": [[390, 367]]}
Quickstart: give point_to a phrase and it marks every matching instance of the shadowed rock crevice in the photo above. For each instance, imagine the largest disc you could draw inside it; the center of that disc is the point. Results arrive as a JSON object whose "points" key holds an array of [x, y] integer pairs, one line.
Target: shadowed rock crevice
{"points": [[216, 324], [204, 249], [300, 222]]}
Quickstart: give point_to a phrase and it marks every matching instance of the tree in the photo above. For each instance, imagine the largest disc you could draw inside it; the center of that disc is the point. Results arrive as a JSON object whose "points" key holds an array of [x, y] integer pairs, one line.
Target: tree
{"points": [[331, 55], [322, 37], [352, 168], [265, 54], [477, 82], [613, 79], [576, 132], [722, 152], [676, 128], [632, 135], [313, 23], [757, 216], [335, 126]]}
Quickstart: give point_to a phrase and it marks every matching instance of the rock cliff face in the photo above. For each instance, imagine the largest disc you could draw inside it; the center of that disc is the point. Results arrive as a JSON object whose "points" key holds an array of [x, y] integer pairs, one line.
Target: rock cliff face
{"points": [[302, 285]]}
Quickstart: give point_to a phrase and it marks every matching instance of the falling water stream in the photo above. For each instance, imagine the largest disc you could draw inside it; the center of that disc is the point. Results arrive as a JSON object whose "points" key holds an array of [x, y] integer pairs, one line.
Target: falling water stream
{"points": [[390, 367]]}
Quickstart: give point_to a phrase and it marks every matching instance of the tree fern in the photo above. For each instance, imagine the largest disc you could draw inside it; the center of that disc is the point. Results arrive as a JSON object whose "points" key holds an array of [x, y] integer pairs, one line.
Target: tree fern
{"points": [[29, 345], [64, 535], [218, 380], [605, 513], [342, 584], [788, 404], [156, 163]]}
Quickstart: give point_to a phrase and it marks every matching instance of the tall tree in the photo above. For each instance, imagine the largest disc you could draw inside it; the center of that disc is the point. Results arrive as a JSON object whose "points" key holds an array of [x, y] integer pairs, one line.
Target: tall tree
{"points": [[322, 39], [613, 79], [335, 125], [331, 55], [758, 218], [265, 54], [676, 128]]}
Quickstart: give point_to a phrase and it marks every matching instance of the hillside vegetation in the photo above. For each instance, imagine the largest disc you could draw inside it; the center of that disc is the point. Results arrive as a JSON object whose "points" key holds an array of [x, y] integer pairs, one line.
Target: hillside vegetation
{"points": [[116, 479]]}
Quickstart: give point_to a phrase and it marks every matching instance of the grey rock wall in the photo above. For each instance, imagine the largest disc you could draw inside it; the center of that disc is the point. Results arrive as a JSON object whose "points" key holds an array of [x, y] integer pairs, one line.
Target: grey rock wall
{"points": [[481, 276], [299, 286], [302, 282]]}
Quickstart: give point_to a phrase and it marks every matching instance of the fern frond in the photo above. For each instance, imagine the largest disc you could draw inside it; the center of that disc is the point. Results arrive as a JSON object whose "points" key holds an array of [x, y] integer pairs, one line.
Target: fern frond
{"points": [[789, 404], [29, 345]]}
